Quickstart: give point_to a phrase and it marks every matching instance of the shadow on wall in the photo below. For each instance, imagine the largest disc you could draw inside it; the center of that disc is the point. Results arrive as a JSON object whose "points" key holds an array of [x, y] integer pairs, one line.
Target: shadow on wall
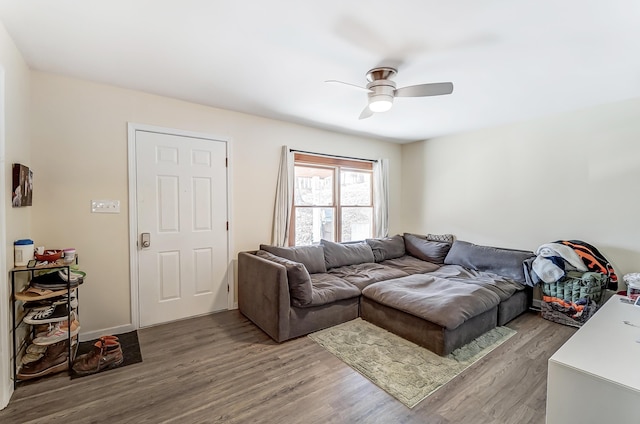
{"points": [[414, 189]]}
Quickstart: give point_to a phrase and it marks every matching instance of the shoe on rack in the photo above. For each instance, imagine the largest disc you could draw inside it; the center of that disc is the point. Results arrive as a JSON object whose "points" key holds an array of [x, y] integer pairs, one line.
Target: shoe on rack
{"points": [[31, 357], [38, 315], [54, 360], [32, 293], [76, 276], [106, 353], [60, 313], [32, 348], [63, 300], [59, 332]]}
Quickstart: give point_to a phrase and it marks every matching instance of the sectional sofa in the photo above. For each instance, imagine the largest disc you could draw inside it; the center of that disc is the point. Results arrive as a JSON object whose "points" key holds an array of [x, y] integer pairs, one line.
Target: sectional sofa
{"points": [[432, 290]]}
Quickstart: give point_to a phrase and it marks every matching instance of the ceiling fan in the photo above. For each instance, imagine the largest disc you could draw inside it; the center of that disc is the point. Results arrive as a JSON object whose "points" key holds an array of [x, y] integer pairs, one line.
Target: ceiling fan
{"points": [[381, 90]]}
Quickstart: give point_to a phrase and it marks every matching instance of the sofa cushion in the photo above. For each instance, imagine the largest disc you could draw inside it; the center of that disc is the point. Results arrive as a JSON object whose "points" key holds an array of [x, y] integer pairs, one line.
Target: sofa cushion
{"points": [[361, 275], [341, 254], [411, 265], [427, 250], [327, 288], [505, 262], [446, 303], [311, 257], [387, 247], [300, 290]]}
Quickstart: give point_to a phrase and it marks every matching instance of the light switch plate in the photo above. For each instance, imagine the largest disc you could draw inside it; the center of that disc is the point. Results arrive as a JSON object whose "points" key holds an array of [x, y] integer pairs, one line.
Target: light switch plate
{"points": [[105, 206]]}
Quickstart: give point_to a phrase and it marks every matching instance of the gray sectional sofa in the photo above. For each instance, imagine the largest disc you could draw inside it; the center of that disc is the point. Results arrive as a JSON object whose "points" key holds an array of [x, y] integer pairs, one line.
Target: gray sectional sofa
{"points": [[434, 291]]}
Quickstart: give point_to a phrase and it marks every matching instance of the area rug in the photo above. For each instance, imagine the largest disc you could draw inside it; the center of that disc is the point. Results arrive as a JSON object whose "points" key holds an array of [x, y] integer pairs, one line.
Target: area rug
{"points": [[403, 369], [130, 350]]}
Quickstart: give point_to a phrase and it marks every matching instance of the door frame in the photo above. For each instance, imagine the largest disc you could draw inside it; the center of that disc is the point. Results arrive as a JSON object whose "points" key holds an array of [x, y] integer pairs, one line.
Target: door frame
{"points": [[132, 127], [6, 356]]}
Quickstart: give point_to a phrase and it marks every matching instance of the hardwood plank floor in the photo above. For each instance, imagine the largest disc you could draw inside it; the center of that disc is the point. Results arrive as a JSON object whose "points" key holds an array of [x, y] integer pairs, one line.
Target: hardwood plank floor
{"points": [[222, 369]]}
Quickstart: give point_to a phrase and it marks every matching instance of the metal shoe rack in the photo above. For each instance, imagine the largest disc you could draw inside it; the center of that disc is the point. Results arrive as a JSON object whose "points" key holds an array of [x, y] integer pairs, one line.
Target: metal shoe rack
{"points": [[17, 321]]}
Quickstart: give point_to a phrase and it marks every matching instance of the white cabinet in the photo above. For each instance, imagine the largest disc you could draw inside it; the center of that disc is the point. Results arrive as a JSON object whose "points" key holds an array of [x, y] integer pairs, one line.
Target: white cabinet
{"points": [[594, 377]]}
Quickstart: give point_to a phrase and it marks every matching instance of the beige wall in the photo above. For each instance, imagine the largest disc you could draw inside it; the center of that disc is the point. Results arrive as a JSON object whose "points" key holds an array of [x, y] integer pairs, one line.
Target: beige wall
{"points": [[79, 145], [14, 222], [17, 148], [570, 176]]}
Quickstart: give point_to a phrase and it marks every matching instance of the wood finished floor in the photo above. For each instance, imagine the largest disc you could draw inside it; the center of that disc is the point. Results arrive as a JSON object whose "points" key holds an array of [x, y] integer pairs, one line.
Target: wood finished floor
{"points": [[222, 369]]}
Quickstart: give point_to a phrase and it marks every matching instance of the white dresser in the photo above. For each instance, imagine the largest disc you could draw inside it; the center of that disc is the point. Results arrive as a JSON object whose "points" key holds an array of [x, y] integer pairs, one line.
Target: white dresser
{"points": [[594, 378]]}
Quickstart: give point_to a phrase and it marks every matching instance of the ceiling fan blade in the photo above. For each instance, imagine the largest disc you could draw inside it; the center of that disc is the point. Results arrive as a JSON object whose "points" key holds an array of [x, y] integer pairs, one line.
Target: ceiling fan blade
{"points": [[366, 113], [365, 89], [423, 90]]}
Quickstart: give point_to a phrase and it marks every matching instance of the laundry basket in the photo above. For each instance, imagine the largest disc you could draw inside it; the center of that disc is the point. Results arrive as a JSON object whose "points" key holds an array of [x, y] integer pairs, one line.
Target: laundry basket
{"points": [[573, 299]]}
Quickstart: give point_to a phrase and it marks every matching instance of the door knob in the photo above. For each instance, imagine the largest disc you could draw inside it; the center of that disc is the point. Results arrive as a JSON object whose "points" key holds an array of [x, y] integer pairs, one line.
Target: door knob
{"points": [[145, 240]]}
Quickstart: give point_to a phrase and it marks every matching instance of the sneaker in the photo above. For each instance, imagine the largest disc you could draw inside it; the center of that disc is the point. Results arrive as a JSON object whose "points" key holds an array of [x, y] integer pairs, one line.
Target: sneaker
{"points": [[53, 281], [60, 313], [38, 315], [76, 276], [58, 333], [63, 300]]}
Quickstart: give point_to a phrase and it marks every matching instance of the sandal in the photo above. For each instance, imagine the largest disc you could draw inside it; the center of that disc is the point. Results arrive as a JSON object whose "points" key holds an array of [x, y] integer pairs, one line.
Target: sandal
{"points": [[33, 293]]}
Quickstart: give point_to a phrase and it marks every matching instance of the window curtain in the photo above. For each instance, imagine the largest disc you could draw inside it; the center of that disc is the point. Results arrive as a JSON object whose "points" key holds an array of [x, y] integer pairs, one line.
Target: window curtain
{"points": [[381, 197], [284, 200]]}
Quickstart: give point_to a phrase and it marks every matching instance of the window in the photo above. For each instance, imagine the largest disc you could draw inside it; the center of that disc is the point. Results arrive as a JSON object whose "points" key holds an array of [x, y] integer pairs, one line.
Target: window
{"points": [[332, 200]]}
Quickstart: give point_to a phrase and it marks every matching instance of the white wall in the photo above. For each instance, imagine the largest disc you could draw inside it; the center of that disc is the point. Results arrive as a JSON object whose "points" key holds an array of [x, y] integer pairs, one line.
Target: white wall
{"points": [[79, 146], [569, 176], [14, 148]]}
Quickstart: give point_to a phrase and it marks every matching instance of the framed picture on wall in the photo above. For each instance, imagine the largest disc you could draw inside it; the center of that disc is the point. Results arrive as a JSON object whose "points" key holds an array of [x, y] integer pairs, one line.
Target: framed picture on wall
{"points": [[22, 194]]}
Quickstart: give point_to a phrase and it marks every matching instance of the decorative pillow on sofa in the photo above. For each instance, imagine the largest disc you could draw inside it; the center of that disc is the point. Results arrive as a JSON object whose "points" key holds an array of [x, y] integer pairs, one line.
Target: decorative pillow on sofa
{"points": [[444, 238], [300, 289], [341, 254], [427, 250], [310, 256], [504, 262], [387, 247]]}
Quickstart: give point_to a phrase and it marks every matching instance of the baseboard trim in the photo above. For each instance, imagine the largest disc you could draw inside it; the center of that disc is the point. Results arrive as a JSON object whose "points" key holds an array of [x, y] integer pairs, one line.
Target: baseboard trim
{"points": [[6, 392], [90, 335]]}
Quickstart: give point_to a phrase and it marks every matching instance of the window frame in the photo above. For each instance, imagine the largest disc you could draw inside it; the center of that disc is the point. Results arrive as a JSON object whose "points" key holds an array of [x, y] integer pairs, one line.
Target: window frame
{"points": [[338, 165]]}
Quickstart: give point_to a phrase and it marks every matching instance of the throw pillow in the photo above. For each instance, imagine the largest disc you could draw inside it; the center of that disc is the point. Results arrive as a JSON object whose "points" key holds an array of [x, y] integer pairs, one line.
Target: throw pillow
{"points": [[339, 254], [387, 248], [300, 289], [445, 238], [427, 250], [311, 257]]}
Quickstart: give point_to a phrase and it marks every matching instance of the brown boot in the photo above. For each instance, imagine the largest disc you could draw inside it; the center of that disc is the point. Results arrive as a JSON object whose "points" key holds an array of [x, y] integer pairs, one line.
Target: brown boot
{"points": [[106, 353], [54, 360]]}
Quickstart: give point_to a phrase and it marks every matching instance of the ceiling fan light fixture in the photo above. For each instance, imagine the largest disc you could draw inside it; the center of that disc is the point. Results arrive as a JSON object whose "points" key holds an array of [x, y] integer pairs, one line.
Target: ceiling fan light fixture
{"points": [[380, 103]]}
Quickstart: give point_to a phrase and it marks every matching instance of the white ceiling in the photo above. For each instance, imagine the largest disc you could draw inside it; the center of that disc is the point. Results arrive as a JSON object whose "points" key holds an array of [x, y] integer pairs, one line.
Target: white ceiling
{"points": [[509, 60]]}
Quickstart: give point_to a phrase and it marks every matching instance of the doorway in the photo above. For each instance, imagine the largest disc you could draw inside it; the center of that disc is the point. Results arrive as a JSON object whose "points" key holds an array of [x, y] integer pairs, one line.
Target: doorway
{"points": [[179, 238]]}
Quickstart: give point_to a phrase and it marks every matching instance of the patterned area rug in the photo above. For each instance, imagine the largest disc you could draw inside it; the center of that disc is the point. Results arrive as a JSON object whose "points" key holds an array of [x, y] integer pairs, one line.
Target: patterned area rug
{"points": [[403, 369]]}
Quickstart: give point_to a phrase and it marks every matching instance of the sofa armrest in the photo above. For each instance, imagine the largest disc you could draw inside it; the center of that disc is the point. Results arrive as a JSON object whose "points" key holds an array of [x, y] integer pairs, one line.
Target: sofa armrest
{"points": [[263, 294]]}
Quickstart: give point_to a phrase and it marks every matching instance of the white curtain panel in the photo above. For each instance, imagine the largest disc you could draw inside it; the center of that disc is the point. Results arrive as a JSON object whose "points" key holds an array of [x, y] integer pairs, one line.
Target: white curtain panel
{"points": [[284, 200], [381, 197]]}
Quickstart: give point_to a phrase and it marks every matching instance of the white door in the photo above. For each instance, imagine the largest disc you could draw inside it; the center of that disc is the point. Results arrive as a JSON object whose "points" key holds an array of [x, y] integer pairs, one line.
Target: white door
{"points": [[181, 185]]}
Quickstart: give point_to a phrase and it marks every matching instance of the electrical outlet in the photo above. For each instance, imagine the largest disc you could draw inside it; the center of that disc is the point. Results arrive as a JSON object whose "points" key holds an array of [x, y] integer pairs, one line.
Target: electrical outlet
{"points": [[105, 206]]}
